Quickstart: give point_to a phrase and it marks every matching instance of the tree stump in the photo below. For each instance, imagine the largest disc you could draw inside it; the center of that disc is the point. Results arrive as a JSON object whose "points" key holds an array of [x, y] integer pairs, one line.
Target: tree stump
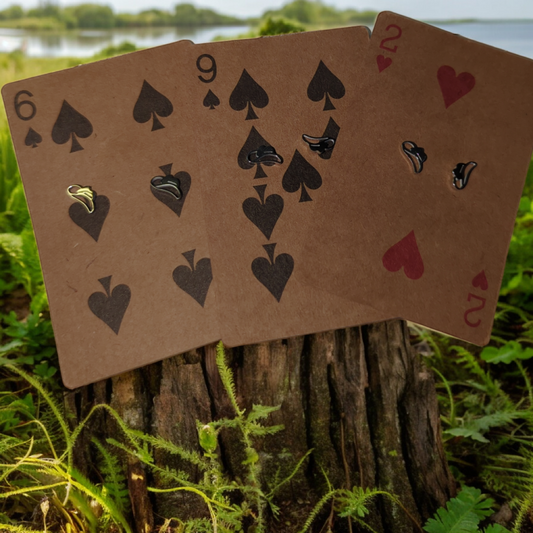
{"points": [[359, 397]]}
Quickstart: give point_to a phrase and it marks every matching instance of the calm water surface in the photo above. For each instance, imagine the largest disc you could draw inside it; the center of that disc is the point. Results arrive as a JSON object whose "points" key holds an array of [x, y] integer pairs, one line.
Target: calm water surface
{"points": [[89, 42], [516, 37]]}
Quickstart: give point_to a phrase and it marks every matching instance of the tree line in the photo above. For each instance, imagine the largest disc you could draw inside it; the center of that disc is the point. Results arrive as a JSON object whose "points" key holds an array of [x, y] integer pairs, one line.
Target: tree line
{"points": [[98, 16], [50, 15]]}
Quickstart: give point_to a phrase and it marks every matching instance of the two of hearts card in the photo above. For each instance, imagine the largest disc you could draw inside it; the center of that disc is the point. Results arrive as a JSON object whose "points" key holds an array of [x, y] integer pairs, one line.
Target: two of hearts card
{"points": [[258, 189]]}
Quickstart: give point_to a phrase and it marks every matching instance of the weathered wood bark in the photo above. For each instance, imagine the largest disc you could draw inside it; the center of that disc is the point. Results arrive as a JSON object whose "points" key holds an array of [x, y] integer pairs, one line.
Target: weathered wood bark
{"points": [[359, 397]]}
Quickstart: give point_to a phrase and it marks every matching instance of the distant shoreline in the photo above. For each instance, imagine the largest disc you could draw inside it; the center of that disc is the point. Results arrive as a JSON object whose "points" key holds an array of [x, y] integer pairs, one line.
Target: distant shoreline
{"points": [[250, 22], [477, 21]]}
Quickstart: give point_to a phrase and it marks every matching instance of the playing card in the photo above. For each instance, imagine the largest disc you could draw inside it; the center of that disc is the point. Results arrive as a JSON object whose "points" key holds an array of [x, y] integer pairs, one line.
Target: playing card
{"points": [[107, 153], [420, 223], [263, 183]]}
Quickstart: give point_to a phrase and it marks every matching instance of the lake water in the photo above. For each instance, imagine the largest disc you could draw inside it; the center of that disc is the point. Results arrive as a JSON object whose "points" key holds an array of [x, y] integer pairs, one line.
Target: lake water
{"points": [[89, 42], [516, 37]]}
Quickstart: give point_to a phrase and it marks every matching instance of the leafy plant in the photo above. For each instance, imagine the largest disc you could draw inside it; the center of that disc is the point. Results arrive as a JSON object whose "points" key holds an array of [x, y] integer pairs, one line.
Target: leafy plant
{"points": [[463, 514], [43, 469]]}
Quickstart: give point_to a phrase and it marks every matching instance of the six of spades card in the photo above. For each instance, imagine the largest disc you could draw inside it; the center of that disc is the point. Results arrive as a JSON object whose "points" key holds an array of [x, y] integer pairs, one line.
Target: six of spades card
{"points": [[258, 189]]}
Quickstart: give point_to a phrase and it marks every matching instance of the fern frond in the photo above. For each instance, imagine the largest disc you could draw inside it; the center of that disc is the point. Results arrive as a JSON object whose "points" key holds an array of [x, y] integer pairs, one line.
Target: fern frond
{"points": [[80, 482], [290, 476], [54, 407], [317, 508], [462, 514], [163, 444], [255, 430], [261, 411], [468, 361], [114, 479], [226, 375]]}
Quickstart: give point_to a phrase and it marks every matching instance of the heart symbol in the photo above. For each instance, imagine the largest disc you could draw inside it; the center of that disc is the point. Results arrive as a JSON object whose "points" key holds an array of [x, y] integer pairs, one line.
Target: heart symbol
{"points": [[454, 87], [383, 62], [405, 254], [110, 307], [195, 281], [264, 214], [90, 222], [184, 179], [480, 281], [273, 274]]}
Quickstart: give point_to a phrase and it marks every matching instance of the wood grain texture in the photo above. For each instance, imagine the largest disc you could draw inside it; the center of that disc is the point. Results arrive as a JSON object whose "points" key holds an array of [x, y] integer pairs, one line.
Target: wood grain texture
{"points": [[359, 397]]}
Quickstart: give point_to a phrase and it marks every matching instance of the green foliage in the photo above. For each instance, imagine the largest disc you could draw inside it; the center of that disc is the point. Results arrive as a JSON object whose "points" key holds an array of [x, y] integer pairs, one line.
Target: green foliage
{"points": [[278, 26], [115, 483], [463, 514], [43, 470], [510, 352], [92, 16], [189, 15], [517, 285], [318, 13], [111, 51], [12, 12], [29, 341], [25, 266], [37, 463], [50, 16], [14, 214]]}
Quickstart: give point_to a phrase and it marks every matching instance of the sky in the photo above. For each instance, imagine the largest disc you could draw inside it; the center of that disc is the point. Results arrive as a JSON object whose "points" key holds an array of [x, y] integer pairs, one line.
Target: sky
{"points": [[419, 9]]}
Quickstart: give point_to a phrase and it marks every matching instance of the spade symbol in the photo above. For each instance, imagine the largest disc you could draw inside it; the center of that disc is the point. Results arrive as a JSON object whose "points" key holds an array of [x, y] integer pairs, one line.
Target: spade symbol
{"points": [[301, 173], [248, 93], [69, 124], [170, 200], [151, 104], [325, 83], [33, 138], [93, 222], [253, 143], [211, 100], [324, 145], [264, 214], [194, 281], [273, 274], [111, 306]]}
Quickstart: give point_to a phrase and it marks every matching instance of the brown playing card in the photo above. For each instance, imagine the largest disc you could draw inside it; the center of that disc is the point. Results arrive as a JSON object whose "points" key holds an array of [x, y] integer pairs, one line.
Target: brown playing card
{"points": [[272, 91], [120, 280], [420, 223], [166, 257]]}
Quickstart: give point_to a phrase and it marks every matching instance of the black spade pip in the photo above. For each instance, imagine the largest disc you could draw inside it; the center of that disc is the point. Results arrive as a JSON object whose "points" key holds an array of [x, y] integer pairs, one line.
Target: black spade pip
{"points": [[301, 174], [151, 104], [327, 140], [111, 305], [254, 141], [325, 83], [91, 223], [273, 274], [32, 138], [248, 93], [184, 180], [265, 213], [211, 100], [71, 124], [195, 281]]}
